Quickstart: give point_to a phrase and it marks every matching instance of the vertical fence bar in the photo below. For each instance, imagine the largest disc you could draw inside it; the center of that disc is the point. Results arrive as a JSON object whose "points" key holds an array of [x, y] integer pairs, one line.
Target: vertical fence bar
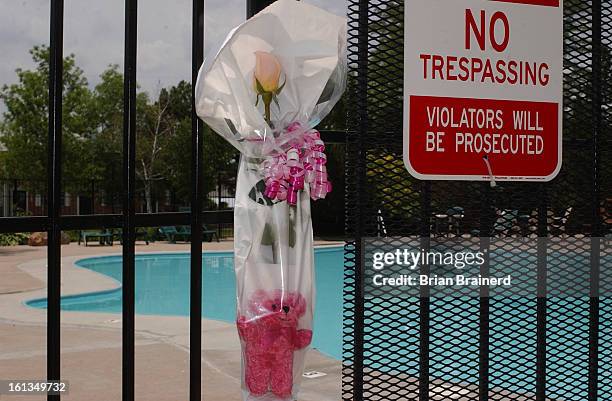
{"points": [[593, 373], [353, 313], [129, 209], [54, 174], [255, 6], [197, 131], [358, 382], [541, 297], [596, 218], [362, 107], [484, 346], [425, 300], [485, 303]]}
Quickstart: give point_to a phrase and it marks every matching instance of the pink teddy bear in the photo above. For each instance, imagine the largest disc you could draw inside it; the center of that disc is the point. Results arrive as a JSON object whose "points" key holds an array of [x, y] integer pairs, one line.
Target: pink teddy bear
{"points": [[270, 338]]}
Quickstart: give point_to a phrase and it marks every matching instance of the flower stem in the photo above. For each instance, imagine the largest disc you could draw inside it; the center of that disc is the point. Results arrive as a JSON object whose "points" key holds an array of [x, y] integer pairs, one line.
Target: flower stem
{"points": [[267, 112]]}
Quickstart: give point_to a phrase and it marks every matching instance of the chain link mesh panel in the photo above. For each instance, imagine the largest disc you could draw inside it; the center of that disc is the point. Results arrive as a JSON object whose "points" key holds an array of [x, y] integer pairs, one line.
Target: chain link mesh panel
{"points": [[604, 383], [457, 346]]}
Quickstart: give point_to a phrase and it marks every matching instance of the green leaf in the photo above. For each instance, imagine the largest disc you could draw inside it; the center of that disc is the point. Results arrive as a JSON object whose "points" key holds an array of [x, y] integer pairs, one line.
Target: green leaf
{"points": [[327, 91], [257, 194], [268, 236], [292, 223], [278, 91], [260, 88]]}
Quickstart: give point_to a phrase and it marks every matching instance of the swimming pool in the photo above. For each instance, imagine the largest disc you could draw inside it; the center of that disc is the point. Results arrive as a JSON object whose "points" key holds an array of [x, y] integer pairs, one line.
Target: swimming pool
{"points": [[162, 288]]}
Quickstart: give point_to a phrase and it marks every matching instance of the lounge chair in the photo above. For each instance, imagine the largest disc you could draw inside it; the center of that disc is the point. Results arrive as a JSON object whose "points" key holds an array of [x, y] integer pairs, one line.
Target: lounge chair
{"points": [[105, 237], [208, 235], [184, 230], [140, 234], [172, 234]]}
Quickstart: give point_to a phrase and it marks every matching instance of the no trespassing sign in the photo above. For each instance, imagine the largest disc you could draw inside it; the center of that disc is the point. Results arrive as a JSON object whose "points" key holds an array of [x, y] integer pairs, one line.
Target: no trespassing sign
{"points": [[483, 89]]}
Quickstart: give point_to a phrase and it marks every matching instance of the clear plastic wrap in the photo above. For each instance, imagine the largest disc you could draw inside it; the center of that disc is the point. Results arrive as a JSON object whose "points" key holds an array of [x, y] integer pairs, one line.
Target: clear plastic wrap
{"points": [[282, 167]]}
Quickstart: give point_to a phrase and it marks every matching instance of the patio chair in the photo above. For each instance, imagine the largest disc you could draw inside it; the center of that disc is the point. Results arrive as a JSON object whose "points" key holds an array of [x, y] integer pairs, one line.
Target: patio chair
{"points": [[172, 234], [381, 228], [606, 217], [439, 223], [455, 216], [504, 224], [208, 235], [105, 237], [528, 223], [557, 224]]}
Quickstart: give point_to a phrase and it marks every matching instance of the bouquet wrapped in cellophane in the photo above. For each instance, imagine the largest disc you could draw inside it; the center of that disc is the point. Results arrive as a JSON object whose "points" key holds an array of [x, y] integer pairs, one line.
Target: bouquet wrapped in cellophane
{"points": [[273, 80]]}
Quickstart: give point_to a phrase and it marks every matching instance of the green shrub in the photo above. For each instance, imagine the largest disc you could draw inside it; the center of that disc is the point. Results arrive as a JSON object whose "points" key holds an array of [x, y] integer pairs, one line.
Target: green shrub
{"points": [[73, 235], [11, 239]]}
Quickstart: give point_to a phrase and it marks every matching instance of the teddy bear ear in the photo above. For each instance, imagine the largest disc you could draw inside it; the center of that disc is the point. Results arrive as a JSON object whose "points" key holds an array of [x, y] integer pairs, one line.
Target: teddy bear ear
{"points": [[277, 294], [259, 294], [299, 303], [258, 298]]}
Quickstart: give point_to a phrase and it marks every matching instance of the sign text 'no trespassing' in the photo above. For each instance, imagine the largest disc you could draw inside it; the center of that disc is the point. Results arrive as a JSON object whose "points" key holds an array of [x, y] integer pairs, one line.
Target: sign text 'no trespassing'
{"points": [[483, 89]]}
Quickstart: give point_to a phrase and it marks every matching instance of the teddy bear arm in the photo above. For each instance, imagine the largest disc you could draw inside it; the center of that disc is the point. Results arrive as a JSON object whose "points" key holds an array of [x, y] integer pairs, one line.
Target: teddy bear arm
{"points": [[245, 329], [303, 338]]}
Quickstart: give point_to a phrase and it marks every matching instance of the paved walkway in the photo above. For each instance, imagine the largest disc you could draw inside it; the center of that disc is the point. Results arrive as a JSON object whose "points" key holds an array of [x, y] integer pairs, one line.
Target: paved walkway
{"points": [[91, 342]]}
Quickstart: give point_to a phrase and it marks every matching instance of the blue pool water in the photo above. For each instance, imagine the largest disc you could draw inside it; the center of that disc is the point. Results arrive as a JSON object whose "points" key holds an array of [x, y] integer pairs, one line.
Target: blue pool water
{"points": [[162, 288]]}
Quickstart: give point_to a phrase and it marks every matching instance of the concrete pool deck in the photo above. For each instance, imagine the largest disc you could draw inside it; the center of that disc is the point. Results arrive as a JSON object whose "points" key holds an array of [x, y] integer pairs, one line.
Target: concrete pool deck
{"points": [[91, 342]]}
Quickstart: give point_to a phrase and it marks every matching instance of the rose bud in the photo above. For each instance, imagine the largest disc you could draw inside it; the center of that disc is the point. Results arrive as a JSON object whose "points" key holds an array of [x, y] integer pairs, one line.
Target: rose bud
{"points": [[267, 72]]}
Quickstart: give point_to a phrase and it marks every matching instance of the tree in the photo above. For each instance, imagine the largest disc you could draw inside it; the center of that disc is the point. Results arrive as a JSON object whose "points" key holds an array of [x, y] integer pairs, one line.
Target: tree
{"points": [[218, 156], [163, 143], [108, 140], [155, 127], [328, 214], [93, 134], [24, 129]]}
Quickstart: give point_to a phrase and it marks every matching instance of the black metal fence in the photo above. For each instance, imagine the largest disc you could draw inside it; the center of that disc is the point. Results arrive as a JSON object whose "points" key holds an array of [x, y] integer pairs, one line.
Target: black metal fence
{"points": [[429, 346], [29, 198], [54, 222], [551, 345], [26, 197]]}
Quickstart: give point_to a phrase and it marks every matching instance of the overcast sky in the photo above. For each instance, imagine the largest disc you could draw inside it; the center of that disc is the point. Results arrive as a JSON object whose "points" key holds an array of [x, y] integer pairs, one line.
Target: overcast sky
{"points": [[93, 31]]}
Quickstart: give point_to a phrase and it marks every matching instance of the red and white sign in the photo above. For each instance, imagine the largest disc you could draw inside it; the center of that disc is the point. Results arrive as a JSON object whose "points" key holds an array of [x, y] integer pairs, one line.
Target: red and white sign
{"points": [[483, 87]]}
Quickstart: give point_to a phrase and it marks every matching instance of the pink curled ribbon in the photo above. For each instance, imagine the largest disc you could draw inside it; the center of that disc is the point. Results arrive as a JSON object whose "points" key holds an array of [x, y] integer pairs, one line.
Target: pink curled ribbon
{"points": [[287, 173]]}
